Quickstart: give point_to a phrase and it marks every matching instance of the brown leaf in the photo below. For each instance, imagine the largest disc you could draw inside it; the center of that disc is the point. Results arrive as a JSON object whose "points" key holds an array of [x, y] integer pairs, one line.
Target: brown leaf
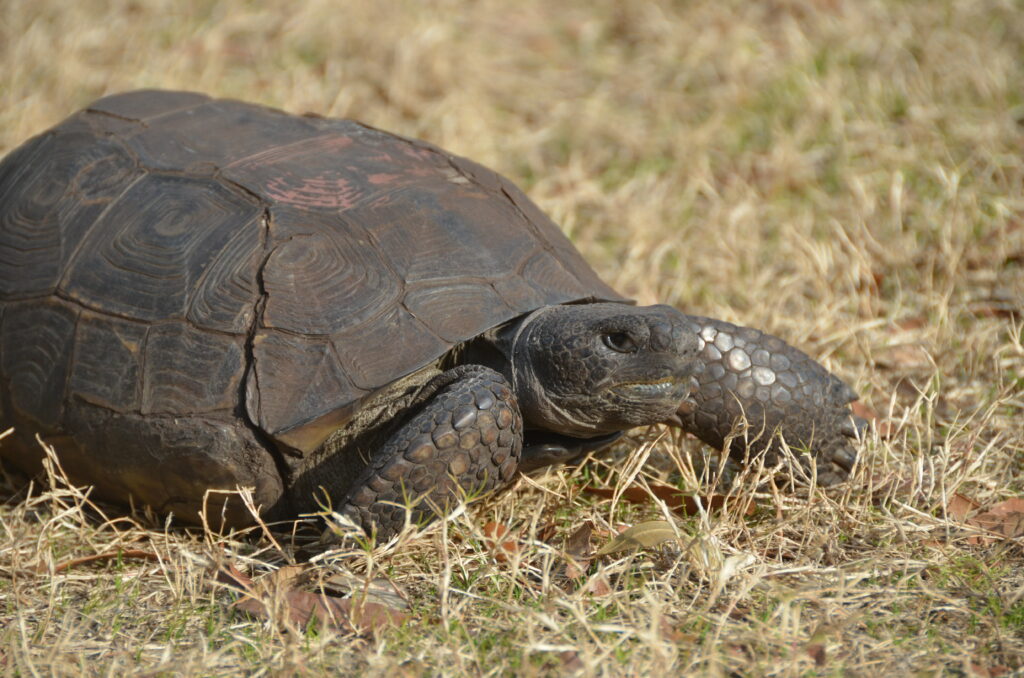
{"points": [[816, 651], [127, 554], [999, 303], [960, 506], [494, 537], [599, 585], [575, 570], [379, 590], [995, 309], [271, 598], [338, 613], [577, 544], [915, 322], [571, 661], [547, 533], [235, 578], [1005, 518], [670, 632], [287, 576], [982, 671], [578, 551], [885, 428]]}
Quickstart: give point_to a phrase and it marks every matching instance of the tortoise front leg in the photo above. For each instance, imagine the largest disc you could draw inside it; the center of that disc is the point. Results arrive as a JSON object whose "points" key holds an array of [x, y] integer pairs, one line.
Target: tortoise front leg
{"points": [[746, 374], [465, 440]]}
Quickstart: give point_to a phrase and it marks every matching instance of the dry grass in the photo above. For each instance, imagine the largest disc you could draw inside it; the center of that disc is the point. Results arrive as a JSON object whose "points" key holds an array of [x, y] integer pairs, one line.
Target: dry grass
{"points": [[847, 174]]}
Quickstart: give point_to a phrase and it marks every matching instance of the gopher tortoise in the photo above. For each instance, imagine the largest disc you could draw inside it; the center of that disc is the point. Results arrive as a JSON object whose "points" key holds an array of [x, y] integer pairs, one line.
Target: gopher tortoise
{"points": [[198, 295]]}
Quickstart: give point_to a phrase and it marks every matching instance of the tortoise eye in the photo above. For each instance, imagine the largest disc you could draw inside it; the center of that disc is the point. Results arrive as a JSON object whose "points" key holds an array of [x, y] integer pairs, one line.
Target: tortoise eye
{"points": [[621, 342]]}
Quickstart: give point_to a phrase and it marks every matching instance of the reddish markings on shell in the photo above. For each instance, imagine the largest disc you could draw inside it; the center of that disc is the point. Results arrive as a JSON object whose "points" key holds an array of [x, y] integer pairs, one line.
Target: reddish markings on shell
{"points": [[416, 151], [330, 172], [319, 191], [326, 189]]}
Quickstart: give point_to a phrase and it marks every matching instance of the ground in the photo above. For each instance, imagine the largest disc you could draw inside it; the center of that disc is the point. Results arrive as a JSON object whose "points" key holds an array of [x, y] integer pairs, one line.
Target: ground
{"points": [[845, 174]]}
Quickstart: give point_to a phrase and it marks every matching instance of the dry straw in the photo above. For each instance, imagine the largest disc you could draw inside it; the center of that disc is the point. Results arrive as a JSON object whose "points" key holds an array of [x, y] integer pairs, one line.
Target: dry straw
{"points": [[848, 175]]}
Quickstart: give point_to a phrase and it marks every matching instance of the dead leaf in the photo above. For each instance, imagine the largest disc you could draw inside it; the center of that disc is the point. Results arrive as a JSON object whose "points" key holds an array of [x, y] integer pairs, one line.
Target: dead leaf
{"points": [[885, 428], [982, 671], [578, 551], [677, 500], [816, 651], [378, 590], [231, 576], [339, 613], [599, 585], [670, 632], [1005, 518], [571, 661], [577, 544], [993, 308], [547, 533], [575, 570], [915, 322], [998, 303], [960, 506], [270, 597], [127, 554], [494, 537], [641, 535], [288, 576]]}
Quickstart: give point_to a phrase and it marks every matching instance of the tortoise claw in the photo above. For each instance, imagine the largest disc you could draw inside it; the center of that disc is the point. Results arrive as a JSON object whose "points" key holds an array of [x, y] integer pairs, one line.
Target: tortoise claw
{"points": [[854, 427], [842, 392], [844, 457]]}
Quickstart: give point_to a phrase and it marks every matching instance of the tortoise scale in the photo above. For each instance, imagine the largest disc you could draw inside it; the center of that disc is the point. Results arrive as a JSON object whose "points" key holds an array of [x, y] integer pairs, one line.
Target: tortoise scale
{"points": [[200, 294]]}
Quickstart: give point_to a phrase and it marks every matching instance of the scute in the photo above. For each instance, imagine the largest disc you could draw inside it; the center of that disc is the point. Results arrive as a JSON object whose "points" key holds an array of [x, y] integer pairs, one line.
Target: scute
{"points": [[225, 298], [51, 191], [330, 266], [146, 254], [214, 133], [297, 389], [455, 311], [107, 370], [189, 371], [146, 103], [35, 344], [422, 227], [369, 370]]}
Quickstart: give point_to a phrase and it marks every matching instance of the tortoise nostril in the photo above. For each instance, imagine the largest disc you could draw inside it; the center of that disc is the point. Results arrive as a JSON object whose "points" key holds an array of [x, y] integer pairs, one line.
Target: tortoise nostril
{"points": [[661, 336]]}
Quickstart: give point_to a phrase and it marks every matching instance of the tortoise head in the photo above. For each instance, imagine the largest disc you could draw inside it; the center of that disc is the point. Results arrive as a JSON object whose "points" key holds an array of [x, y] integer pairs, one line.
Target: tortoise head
{"points": [[591, 369]]}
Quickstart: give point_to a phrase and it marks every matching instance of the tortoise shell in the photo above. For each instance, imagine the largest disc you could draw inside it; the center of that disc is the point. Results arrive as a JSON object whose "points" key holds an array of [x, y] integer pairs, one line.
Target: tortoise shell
{"points": [[164, 253]]}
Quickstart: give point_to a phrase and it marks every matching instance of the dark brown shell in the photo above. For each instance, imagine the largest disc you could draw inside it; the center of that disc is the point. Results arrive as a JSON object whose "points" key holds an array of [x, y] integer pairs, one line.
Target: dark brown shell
{"points": [[163, 252]]}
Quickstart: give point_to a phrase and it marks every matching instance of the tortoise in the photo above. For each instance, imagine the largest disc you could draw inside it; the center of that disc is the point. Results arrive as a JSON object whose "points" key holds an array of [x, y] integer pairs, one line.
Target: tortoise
{"points": [[202, 294]]}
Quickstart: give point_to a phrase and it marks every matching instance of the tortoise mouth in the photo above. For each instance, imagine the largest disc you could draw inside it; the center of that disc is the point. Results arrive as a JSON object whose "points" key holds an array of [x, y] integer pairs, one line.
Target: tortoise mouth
{"points": [[669, 388]]}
